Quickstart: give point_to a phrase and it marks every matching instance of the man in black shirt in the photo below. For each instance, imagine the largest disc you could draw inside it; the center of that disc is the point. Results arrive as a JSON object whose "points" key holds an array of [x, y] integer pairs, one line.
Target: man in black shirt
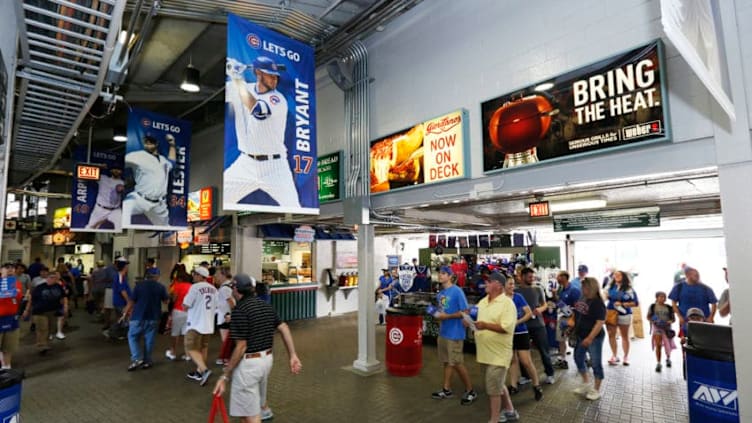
{"points": [[45, 301], [252, 326]]}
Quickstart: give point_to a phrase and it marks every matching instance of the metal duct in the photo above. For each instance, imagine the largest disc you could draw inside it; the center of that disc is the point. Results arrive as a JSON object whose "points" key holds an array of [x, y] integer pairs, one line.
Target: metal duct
{"points": [[357, 182]]}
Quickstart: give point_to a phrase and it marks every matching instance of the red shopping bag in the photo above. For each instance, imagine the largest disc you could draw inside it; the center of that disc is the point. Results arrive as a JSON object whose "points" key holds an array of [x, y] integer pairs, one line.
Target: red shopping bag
{"points": [[218, 405], [227, 346]]}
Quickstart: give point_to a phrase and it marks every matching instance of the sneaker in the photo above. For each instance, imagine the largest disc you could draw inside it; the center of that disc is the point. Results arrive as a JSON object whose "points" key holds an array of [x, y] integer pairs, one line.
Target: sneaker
{"points": [[593, 395], [219, 362], [442, 394], [205, 377], [658, 367], [511, 416], [538, 392], [147, 365], [60, 335], [169, 355], [524, 380], [185, 357], [668, 363], [502, 418], [135, 365], [613, 361], [549, 380], [267, 414], [194, 375], [582, 389], [625, 362], [512, 390], [468, 397]]}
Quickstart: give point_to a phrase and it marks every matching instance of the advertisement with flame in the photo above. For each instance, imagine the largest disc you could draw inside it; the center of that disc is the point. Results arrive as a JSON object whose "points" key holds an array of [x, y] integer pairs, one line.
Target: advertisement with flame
{"points": [[431, 151]]}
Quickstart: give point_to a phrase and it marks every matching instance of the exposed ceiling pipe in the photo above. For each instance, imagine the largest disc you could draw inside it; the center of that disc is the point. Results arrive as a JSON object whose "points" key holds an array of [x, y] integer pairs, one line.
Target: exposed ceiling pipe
{"points": [[146, 29], [128, 32], [331, 8]]}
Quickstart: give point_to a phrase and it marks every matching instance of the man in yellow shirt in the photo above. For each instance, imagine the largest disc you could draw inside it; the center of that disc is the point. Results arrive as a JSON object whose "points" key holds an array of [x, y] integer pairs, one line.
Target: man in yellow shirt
{"points": [[497, 317]]}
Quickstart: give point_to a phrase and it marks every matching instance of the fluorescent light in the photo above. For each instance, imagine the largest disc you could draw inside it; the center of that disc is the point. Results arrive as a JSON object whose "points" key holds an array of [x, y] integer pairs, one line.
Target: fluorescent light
{"points": [[544, 86], [119, 134], [191, 80], [578, 204]]}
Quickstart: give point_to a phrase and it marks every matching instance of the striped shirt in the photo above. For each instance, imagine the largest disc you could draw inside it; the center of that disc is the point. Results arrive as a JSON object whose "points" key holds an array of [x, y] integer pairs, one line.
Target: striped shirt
{"points": [[255, 322]]}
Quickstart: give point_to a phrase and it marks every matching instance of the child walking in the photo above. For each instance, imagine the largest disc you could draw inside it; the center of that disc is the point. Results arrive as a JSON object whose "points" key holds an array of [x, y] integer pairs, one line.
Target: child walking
{"points": [[661, 316]]}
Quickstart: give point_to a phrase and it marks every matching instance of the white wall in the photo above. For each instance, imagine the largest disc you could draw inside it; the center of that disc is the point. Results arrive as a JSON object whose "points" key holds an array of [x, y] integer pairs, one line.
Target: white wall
{"points": [[446, 54], [744, 26], [207, 160]]}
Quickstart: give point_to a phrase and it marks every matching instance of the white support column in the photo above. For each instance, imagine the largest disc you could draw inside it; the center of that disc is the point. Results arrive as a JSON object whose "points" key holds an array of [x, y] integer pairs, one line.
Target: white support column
{"points": [[734, 156], [366, 361]]}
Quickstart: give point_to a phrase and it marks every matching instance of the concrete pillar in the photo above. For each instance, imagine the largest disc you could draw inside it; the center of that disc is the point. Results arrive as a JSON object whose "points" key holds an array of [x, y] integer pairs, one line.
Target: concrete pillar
{"points": [[734, 156], [366, 361]]}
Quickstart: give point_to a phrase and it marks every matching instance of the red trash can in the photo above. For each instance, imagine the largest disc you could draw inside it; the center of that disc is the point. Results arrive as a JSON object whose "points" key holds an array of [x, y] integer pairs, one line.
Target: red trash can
{"points": [[404, 342]]}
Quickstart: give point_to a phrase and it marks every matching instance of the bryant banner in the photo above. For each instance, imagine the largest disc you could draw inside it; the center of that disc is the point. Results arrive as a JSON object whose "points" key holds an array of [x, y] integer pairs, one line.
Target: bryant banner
{"points": [[431, 151], [96, 206], [156, 172], [616, 102], [270, 122]]}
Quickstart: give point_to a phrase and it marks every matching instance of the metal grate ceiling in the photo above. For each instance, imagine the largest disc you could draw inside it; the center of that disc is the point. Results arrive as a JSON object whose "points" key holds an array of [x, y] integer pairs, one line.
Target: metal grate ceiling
{"points": [[65, 50]]}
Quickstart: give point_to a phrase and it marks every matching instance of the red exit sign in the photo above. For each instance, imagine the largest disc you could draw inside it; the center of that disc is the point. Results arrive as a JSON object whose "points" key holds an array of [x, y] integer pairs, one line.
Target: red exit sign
{"points": [[87, 172], [539, 209]]}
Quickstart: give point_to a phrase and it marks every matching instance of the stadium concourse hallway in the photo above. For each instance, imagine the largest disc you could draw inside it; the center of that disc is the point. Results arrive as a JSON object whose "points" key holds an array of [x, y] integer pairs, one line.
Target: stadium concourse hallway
{"points": [[84, 380]]}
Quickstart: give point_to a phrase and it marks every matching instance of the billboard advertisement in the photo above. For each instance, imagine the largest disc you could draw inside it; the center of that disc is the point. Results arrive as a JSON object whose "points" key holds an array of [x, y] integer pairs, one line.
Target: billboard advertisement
{"points": [[431, 151], [201, 204], [616, 102], [156, 171], [330, 177], [97, 205], [61, 218], [270, 122]]}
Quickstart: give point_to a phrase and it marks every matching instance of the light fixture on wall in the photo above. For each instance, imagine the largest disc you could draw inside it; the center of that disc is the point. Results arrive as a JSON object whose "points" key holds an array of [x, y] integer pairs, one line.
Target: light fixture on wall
{"points": [[191, 79], [119, 134], [586, 203]]}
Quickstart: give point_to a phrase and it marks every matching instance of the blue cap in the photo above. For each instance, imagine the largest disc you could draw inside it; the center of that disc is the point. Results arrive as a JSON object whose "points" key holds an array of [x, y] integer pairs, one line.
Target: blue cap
{"points": [[266, 65], [446, 269], [153, 271], [582, 268]]}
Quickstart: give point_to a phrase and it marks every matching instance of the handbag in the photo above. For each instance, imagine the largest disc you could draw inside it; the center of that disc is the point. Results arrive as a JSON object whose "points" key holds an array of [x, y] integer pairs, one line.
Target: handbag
{"points": [[218, 405], [612, 317]]}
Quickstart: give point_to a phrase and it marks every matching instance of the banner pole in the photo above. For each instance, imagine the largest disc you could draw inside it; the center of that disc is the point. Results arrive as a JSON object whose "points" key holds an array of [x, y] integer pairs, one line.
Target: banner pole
{"points": [[88, 150]]}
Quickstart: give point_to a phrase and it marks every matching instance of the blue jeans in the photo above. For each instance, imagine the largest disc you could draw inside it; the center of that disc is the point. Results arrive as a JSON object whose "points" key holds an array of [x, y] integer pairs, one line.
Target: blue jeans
{"points": [[147, 328], [594, 350]]}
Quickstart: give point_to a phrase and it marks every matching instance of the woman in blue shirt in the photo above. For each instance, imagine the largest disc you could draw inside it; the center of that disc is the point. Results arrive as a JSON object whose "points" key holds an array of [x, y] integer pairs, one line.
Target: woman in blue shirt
{"points": [[621, 299], [386, 285], [521, 343]]}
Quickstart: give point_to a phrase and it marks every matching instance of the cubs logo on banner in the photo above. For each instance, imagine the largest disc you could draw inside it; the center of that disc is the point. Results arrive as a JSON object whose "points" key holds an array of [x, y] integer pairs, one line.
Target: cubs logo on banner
{"points": [[156, 172], [97, 206], [270, 122]]}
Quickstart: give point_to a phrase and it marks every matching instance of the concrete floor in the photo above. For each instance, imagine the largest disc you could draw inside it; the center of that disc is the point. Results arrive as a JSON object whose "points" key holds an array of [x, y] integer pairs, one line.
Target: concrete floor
{"points": [[84, 379]]}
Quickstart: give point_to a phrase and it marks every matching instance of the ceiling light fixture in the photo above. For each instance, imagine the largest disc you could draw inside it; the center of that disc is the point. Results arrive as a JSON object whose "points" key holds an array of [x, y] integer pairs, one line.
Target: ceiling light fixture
{"points": [[578, 204], [119, 134], [191, 79], [544, 86]]}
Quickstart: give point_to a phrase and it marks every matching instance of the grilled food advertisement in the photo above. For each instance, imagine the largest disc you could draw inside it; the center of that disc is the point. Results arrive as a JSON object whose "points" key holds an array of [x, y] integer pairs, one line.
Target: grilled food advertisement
{"points": [[616, 102], [431, 151]]}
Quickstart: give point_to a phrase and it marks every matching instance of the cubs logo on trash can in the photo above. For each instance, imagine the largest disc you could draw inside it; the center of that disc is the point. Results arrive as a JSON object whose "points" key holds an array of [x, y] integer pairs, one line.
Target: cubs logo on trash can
{"points": [[396, 336]]}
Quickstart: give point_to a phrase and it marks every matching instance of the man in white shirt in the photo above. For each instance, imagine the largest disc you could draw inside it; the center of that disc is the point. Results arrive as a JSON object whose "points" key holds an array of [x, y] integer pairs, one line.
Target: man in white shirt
{"points": [[151, 172], [201, 304], [109, 201]]}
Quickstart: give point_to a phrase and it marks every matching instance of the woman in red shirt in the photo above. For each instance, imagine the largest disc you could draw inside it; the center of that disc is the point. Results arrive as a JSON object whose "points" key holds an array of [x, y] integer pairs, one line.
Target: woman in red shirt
{"points": [[179, 287]]}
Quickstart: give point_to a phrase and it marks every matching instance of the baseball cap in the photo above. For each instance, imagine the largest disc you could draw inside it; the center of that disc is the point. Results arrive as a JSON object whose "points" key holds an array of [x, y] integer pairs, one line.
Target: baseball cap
{"points": [[204, 263], [266, 65], [244, 282], [694, 311], [201, 271], [497, 277], [446, 269], [152, 271], [122, 259], [582, 268]]}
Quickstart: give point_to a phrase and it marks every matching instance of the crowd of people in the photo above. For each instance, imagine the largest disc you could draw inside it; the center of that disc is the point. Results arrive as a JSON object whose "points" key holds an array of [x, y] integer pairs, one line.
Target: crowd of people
{"points": [[198, 303], [510, 319]]}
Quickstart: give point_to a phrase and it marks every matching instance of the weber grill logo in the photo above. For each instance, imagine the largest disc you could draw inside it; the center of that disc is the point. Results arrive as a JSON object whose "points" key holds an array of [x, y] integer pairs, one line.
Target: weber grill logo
{"points": [[716, 396], [641, 130]]}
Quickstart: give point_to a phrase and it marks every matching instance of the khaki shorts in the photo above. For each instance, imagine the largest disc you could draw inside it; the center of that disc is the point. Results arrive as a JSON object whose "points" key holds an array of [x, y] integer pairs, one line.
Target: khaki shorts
{"points": [[9, 341], [495, 376], [450, 351], [195, 341], [249, 382]]}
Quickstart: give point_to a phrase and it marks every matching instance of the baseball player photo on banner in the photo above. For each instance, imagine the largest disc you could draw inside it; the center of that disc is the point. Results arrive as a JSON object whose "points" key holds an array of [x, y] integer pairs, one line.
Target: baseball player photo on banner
{"points": [[96, 206], [270, 122], [156, 172]]}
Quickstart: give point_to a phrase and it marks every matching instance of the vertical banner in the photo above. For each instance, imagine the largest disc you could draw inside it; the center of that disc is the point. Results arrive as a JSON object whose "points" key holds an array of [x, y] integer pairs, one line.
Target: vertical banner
{"points": [[97, 205], [330, 177], [156, 172], [270, 122]]}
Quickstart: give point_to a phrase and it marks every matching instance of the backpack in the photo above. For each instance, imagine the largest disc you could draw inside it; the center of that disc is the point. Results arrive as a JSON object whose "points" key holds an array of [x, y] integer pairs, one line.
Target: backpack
{"points": [[11, 294]]}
